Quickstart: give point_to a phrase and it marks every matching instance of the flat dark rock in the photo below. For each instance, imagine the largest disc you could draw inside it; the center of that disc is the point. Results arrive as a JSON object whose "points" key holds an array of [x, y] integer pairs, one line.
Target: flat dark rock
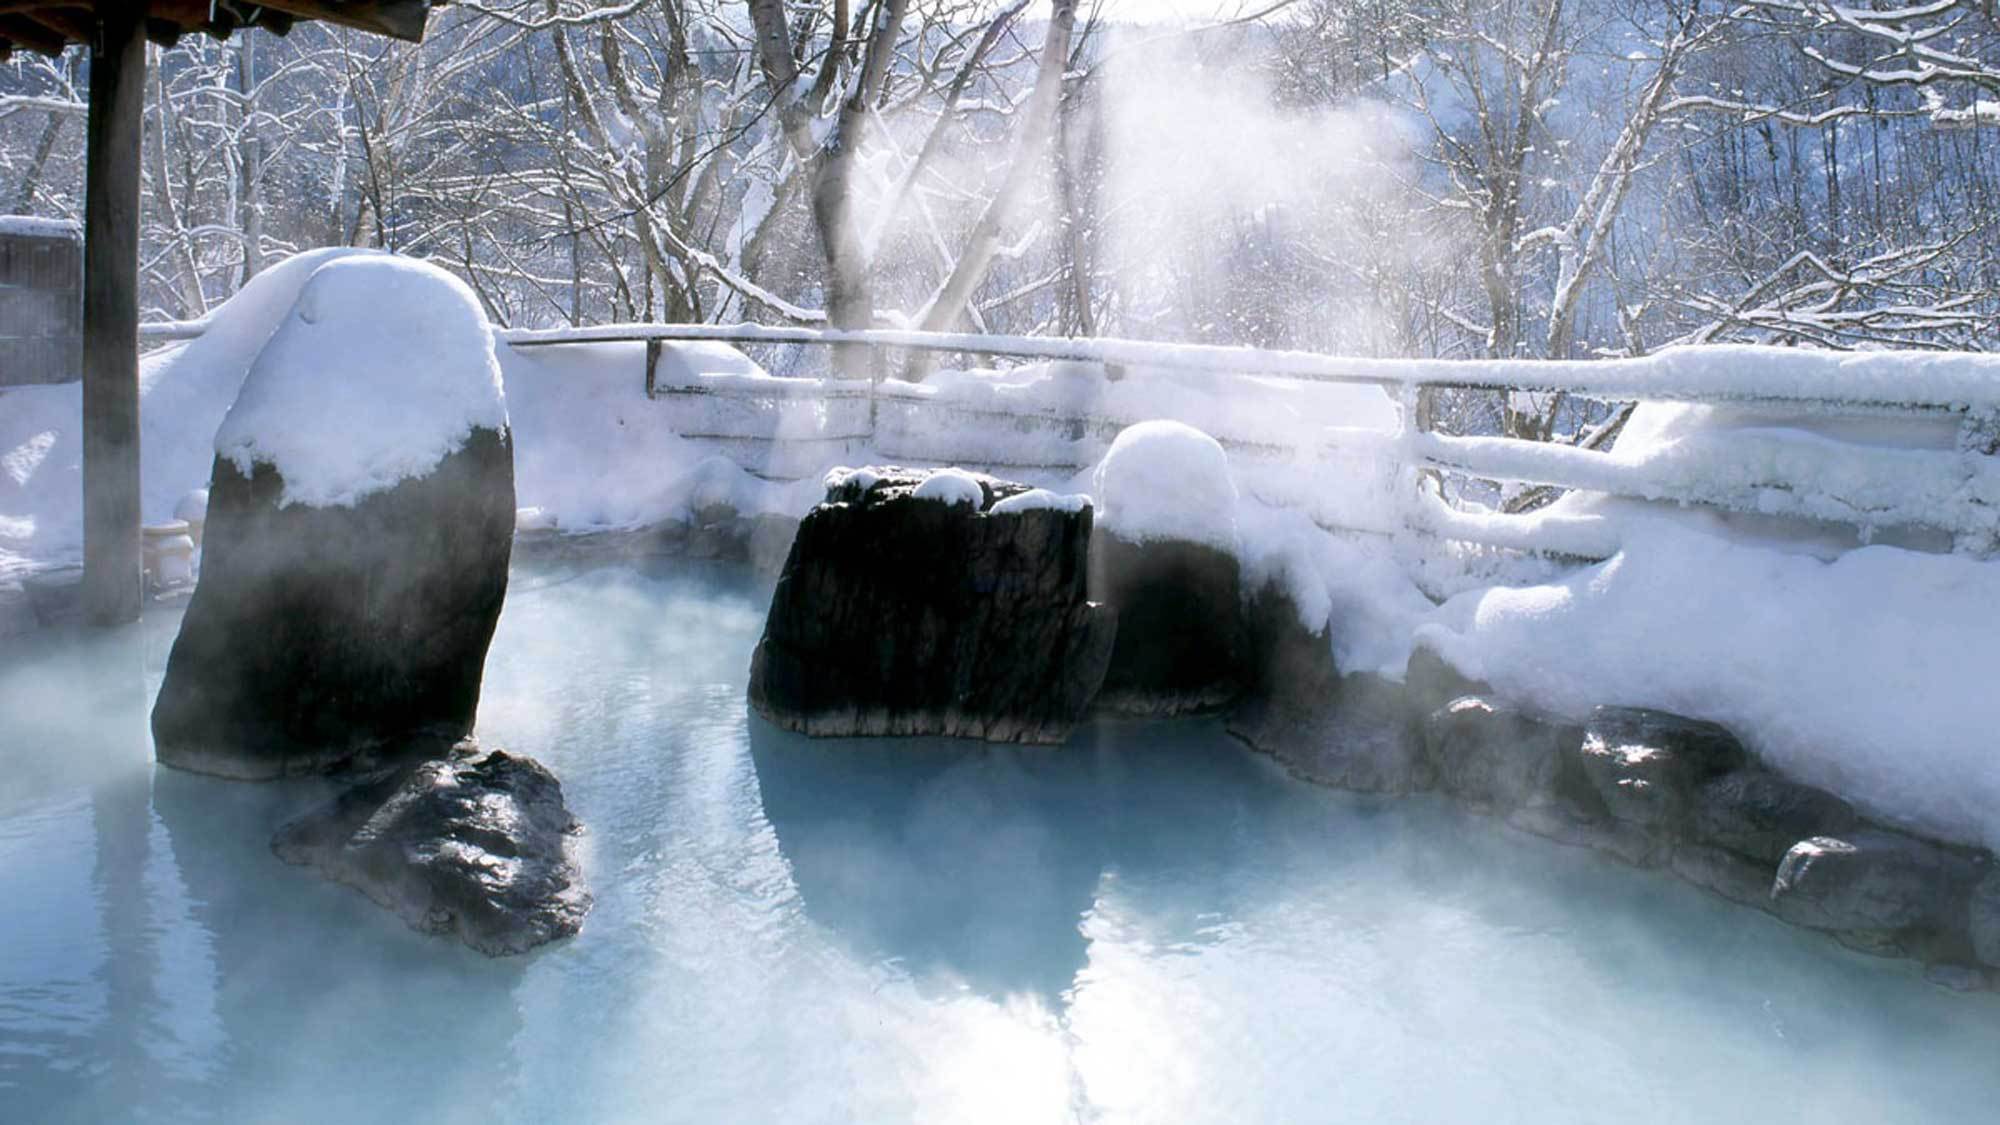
{"points": [[900, 615], [475, 843], [318, 637]]}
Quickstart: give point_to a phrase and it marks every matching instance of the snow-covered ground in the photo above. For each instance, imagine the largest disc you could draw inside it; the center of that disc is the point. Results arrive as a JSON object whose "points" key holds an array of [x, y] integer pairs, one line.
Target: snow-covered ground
{"points": [[1860, 667]]}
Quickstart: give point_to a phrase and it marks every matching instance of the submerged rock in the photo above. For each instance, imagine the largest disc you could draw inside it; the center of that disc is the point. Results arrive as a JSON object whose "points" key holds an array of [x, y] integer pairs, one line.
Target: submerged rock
{"points": [[475, 843], [934, 603], [1646, 765], [1873, 880], [320, 636]]}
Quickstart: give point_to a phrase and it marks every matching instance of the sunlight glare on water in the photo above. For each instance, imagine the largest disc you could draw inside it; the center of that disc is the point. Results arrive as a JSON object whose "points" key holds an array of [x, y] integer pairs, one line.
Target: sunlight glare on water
{"points": [[1149, 924]]}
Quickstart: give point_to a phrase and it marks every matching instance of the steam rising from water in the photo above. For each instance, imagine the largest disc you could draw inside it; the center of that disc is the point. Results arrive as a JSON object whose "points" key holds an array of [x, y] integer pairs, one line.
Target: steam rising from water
{"points": [[1237, 217]]}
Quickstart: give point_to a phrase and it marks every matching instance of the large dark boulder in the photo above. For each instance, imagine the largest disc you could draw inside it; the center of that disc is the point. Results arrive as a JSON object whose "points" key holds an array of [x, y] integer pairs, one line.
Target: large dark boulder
{"points": [[324, 637], [1646, 765], [476, 843], [1874, 881], [1182, 647], [899, 614], [1350, 732], [1759, 814]]}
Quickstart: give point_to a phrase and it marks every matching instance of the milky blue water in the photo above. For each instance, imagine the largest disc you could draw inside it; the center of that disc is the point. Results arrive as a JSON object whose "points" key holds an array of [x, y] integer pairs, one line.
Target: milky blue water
{"points": [[1147, 925]]}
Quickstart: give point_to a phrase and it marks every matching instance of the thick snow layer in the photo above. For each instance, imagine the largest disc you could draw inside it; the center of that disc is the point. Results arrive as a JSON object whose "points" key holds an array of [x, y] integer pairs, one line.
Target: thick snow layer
{"points": [[1870, 675], [1167, 480], [951, 487], [1037, 499], [1353, 587], [383, 367], [593, 453]]}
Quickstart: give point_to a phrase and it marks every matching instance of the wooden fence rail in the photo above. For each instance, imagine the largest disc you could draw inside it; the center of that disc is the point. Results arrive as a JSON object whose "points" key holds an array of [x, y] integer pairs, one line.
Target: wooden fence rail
{"points": [[1779, 468]]}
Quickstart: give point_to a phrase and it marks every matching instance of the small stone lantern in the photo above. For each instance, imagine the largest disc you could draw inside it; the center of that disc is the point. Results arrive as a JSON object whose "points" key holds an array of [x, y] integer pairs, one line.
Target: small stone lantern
{"points": [[168, 554]]}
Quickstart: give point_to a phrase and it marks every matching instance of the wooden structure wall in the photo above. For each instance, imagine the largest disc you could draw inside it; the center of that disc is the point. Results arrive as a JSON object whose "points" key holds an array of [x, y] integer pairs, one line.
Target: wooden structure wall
{"points": [[41, 304]]}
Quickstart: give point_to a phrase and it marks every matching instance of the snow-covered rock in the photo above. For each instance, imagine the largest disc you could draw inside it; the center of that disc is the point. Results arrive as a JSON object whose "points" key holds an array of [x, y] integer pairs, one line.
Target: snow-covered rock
{"points": [[1038, 498], [1867, 676], [951, 487], [345, 615], [897, 614], [1167, 480], [383, 368]]}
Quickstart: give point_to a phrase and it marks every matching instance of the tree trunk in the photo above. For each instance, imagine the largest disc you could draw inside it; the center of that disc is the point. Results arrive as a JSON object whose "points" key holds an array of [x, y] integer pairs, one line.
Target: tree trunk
{"points": [[949, 304]]}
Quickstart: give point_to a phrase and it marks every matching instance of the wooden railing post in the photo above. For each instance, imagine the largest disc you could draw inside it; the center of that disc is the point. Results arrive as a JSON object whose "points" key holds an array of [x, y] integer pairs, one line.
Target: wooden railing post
{"points": [[111, 590]]}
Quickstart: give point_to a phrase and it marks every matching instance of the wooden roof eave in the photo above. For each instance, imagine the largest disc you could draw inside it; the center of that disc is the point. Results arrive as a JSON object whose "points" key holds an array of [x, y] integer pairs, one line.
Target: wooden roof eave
{"points": [[48, 26]]}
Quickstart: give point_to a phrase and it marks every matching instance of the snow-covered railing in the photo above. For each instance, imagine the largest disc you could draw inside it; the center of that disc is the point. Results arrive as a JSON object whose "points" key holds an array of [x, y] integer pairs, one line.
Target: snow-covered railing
{"points": [[1783, 469]]}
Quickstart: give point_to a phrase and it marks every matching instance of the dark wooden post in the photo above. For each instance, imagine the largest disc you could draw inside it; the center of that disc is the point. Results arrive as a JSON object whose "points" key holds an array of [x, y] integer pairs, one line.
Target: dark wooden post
{"points": [[111, 591]]}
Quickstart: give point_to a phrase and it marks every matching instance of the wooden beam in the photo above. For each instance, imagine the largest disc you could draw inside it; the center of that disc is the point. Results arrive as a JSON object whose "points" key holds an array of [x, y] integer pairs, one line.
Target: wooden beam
{"points": [[75, 25], [111, 575], [397, 19], [24, 32]]}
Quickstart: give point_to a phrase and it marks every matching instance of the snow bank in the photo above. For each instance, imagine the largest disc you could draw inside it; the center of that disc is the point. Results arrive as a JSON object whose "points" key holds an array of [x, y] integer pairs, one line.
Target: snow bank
{"points": [[592, 452], [383, 367], [184, 392], [1352, 587], [951, 487], [1870, 675], [1167, 480]]}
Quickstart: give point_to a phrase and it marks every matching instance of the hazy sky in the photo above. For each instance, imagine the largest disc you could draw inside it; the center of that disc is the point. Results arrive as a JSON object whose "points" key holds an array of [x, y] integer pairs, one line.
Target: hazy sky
{"points": [[1176, 10]]}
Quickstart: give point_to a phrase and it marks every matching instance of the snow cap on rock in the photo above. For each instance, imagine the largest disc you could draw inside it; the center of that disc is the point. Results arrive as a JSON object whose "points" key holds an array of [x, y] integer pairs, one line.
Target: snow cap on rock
{"points": [[1167, 480], [952, 486], [383, 367]]}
